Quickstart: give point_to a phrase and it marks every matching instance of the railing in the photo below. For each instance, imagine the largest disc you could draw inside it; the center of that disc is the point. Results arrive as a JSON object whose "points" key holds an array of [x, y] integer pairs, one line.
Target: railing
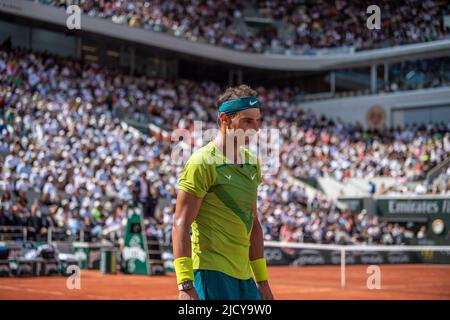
{"points": [[437, 170], [8, 233], [23, 233], [140, 120]]}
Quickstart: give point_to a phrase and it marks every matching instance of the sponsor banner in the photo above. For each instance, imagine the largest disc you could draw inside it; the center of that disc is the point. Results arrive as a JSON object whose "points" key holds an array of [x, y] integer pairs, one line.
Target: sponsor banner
{"points": [[88, 254], [421, 206], [434, 212], [299, 257]]}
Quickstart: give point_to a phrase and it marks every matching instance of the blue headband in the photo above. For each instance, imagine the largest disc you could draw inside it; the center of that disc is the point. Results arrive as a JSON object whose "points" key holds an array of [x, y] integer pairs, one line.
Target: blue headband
{"points": [[239, 104]]}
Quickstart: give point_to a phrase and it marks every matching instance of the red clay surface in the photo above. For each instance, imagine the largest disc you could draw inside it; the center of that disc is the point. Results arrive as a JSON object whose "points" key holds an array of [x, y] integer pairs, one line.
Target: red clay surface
{"points": [[308, 282]]}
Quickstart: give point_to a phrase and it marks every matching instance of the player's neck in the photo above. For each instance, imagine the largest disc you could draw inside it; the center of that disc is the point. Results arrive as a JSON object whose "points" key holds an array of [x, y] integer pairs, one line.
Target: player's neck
{"points": [[222, 144]]}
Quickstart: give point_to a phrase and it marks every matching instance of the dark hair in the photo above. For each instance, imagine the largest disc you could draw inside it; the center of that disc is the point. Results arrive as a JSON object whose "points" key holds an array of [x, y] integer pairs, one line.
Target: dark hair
{"points": [[6, 196], [233, 93]]}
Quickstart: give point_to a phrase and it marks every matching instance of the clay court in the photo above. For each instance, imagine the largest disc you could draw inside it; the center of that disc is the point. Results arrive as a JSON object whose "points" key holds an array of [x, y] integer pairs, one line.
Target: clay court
{"points": [[302, 283]]}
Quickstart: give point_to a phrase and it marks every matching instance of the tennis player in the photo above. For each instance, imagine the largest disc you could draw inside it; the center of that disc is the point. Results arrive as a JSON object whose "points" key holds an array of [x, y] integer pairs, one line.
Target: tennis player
{"points": [[217, 197]]}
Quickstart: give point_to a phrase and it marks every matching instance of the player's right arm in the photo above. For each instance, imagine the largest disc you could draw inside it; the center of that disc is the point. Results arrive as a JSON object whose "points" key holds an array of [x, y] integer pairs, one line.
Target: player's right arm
{"points": [[187, 207], [195, 181]]}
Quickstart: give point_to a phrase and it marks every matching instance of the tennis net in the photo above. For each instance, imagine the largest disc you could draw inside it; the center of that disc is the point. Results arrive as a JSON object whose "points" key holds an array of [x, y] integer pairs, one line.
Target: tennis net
{"points": [[301, 254]]}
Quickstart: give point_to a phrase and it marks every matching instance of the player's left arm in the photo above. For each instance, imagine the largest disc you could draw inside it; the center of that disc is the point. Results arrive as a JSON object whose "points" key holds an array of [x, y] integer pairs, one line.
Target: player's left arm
{"points": [[257, 259]]}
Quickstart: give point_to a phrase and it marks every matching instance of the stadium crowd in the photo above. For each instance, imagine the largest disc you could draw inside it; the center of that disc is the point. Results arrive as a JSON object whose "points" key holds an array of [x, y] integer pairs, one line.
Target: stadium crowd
{"points": [[61, 139], [342, 23], [288, 214], [325, 147], [440, 186], [306, 24]]}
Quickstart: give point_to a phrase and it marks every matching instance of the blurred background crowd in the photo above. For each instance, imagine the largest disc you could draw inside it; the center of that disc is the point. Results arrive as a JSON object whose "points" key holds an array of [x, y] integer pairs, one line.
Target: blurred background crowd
{"points": [[69, 161]]}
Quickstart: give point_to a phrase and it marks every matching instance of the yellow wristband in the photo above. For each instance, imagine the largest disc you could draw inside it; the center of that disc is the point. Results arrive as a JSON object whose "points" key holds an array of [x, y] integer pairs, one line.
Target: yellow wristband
{"points": [[259, 268], [183, 269]]}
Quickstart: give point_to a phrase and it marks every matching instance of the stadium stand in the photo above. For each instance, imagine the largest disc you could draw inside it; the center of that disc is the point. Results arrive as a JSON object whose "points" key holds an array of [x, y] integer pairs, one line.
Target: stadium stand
{"points": [[64, 140], [292, 27]]}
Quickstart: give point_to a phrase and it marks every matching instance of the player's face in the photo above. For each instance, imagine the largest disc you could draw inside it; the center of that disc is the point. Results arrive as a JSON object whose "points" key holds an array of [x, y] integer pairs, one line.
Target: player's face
{"points": [[248, 121]]}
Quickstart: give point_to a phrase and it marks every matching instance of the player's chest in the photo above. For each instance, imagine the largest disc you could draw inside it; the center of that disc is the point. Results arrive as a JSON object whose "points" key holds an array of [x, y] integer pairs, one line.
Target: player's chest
{"points": [[240, 181]]}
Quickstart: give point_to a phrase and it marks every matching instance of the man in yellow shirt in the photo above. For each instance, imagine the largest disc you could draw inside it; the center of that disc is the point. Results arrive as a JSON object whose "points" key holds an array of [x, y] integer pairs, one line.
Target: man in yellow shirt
{"points": [[217, 197]]}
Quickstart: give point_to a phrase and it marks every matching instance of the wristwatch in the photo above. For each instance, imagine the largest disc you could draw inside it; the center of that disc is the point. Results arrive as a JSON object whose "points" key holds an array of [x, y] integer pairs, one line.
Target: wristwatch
{"points": [[186, 285]]}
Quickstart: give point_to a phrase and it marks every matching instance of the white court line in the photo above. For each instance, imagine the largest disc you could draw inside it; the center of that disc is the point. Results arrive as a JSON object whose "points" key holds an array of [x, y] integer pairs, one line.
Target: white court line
{"points": [[9, 288], [56, 293], [309, 290]]}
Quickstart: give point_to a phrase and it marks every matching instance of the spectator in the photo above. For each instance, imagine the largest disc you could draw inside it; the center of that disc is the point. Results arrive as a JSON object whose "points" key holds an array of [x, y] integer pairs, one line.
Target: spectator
{"points": [[143, 195], [422, 233]]}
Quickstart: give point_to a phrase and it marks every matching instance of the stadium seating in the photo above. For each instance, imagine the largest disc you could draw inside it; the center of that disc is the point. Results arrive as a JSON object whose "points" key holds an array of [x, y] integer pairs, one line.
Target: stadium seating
{"points": [[64, 139], [278, 26]]}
